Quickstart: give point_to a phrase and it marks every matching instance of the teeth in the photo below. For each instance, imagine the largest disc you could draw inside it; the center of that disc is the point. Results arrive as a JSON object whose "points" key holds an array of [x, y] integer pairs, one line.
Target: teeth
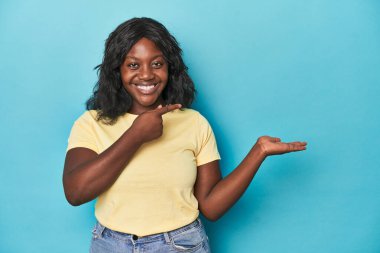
{"points": [[146, 89], [143, 87]]}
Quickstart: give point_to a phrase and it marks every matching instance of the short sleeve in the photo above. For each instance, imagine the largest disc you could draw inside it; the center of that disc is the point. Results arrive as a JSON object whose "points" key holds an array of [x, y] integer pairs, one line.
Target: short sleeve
{"points": [[82, 134], [207, 150]]}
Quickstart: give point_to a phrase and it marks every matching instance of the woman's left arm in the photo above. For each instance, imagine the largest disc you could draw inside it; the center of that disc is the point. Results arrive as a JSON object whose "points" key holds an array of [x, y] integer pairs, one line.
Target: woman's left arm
{"points": [[216, 195]]}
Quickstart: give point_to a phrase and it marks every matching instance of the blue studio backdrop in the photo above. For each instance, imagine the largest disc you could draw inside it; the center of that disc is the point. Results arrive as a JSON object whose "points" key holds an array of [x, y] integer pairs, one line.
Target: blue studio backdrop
{"points": [[299, 70]]}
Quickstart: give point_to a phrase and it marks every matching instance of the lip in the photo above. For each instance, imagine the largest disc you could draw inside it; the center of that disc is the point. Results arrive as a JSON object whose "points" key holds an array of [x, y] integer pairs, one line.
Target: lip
{"points": [[142, 88]]}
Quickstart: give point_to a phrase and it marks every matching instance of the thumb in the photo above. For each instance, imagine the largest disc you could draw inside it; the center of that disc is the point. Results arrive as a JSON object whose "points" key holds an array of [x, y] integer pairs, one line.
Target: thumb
{"points": [[275, 139]]}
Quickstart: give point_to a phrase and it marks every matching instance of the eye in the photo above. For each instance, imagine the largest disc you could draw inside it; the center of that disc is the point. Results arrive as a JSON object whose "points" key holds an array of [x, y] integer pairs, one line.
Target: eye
{"points": [[157, 64], [133, 65]]}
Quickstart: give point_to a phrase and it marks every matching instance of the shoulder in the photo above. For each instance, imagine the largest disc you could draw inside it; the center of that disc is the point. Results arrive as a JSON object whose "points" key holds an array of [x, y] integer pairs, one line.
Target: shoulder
{"points": [[87, 117], [191, 113], [194, 117], [188, 114], [186, 117]]}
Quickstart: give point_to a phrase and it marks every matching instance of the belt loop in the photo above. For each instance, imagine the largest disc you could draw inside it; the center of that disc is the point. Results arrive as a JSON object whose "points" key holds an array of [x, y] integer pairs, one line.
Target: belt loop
{"points": [[167, 238], [100, 229]]}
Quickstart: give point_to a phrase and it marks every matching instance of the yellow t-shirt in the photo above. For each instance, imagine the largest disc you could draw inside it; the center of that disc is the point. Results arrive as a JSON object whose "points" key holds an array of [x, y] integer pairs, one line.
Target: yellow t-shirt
{"points": [[155, 191]]}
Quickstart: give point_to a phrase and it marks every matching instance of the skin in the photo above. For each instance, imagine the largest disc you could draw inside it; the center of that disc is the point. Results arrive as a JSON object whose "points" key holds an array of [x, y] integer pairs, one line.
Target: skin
{"points": [[144, 65], [87, 174]]}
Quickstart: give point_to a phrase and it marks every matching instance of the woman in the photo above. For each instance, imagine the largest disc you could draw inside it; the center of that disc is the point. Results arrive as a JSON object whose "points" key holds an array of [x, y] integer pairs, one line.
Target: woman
{"points": [[151, 161]]}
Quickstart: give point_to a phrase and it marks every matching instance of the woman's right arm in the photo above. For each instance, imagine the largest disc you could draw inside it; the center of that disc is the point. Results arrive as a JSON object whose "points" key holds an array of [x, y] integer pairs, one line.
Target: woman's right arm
{"points": [[86, 174]]}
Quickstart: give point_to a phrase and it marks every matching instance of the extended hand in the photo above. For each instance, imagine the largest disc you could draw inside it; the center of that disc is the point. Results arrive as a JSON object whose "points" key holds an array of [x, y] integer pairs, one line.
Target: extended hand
{"points": [[274, 146], [148, 125]]}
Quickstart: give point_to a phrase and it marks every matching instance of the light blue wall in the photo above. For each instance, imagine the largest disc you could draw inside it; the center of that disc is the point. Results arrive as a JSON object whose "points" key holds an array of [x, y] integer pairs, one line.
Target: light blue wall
{"points": [[299, 70]]}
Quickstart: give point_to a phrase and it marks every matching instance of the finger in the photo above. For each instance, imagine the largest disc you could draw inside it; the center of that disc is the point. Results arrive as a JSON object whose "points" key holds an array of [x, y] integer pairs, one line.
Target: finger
{"points": [[293, 146], [298, 143], [159, 106], [168, 108], [275, 139]]}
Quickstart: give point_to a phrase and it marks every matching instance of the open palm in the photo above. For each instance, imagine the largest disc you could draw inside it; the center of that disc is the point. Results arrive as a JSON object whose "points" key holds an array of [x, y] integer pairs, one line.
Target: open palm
{"points": [[274, 146]]}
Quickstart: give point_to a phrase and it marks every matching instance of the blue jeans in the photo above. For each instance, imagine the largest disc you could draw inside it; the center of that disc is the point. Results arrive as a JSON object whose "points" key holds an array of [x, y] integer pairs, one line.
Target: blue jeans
{"points": [[190, 238]]}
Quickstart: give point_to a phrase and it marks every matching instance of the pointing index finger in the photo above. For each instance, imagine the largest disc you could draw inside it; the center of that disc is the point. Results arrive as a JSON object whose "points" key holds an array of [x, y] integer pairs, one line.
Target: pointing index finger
{"points": [[168, 108]]}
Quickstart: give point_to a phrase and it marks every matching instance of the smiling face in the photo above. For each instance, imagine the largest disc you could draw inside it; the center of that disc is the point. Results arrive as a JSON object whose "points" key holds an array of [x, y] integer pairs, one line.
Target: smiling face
{"points": [[144, 74]]}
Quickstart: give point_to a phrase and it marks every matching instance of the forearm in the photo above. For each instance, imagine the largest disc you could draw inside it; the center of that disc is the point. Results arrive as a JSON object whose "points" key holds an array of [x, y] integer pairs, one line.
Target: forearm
{"points": [[227, 191], [88, 180]]}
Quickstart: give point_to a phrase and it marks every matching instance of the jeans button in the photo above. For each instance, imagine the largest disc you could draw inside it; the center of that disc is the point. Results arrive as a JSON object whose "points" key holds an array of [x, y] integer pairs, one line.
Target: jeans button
{"points": [[135, 237]]}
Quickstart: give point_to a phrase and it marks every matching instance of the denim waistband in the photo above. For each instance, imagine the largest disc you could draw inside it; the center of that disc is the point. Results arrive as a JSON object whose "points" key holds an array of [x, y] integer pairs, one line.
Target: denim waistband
{"points": [[99, 230]]}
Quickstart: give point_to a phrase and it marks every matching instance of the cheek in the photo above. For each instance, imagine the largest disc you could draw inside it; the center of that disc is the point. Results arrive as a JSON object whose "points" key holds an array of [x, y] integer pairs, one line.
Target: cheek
{"points": [[125, 78], [164, 74]]}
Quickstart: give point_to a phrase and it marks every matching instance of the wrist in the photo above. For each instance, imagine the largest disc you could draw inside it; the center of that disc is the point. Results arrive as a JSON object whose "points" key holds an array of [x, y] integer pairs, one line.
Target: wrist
{"points": [[259, 150], [135, 136]]}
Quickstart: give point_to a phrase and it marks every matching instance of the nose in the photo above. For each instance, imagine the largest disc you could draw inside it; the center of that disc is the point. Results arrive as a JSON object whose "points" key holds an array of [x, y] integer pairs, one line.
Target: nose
{"points": [[146, 73]]}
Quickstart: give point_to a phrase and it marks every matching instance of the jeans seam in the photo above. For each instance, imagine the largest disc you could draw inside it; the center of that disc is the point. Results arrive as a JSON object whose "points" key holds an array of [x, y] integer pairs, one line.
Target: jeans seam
{"points": [[184, 231]]}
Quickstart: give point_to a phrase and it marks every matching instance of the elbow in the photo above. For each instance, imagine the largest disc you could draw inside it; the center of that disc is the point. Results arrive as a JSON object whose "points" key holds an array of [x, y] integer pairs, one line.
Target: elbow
{"points": [[211, 217], [72, 194], [73, 199], [210, 214]]}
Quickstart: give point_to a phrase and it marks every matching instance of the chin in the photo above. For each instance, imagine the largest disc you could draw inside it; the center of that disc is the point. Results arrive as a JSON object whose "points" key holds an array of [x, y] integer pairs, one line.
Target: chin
{"points": [[149, 103]]}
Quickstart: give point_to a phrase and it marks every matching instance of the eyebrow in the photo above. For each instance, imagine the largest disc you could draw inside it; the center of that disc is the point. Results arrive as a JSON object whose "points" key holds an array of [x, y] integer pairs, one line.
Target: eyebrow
{"points": [[156, 56]]}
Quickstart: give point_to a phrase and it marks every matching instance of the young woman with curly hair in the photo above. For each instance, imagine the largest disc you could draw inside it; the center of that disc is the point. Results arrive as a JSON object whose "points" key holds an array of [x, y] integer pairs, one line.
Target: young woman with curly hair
{"points": [[150, 160]]}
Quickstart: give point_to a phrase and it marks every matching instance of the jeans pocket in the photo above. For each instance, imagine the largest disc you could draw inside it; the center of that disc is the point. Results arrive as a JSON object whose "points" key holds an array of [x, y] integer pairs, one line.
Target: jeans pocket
{"points": [[188, 240]]}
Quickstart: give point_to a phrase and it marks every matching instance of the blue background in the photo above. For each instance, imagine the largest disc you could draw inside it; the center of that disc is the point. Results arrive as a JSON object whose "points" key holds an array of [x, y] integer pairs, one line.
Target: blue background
{"points": [[299, 70]]}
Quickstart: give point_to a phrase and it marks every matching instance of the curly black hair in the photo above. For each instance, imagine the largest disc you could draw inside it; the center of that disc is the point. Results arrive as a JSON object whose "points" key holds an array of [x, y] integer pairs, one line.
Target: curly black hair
{"points": [[109, 97]]}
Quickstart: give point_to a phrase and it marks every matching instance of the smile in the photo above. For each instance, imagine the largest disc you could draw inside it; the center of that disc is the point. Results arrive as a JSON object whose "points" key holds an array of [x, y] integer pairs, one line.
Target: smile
{"points": [[146, 89]]}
